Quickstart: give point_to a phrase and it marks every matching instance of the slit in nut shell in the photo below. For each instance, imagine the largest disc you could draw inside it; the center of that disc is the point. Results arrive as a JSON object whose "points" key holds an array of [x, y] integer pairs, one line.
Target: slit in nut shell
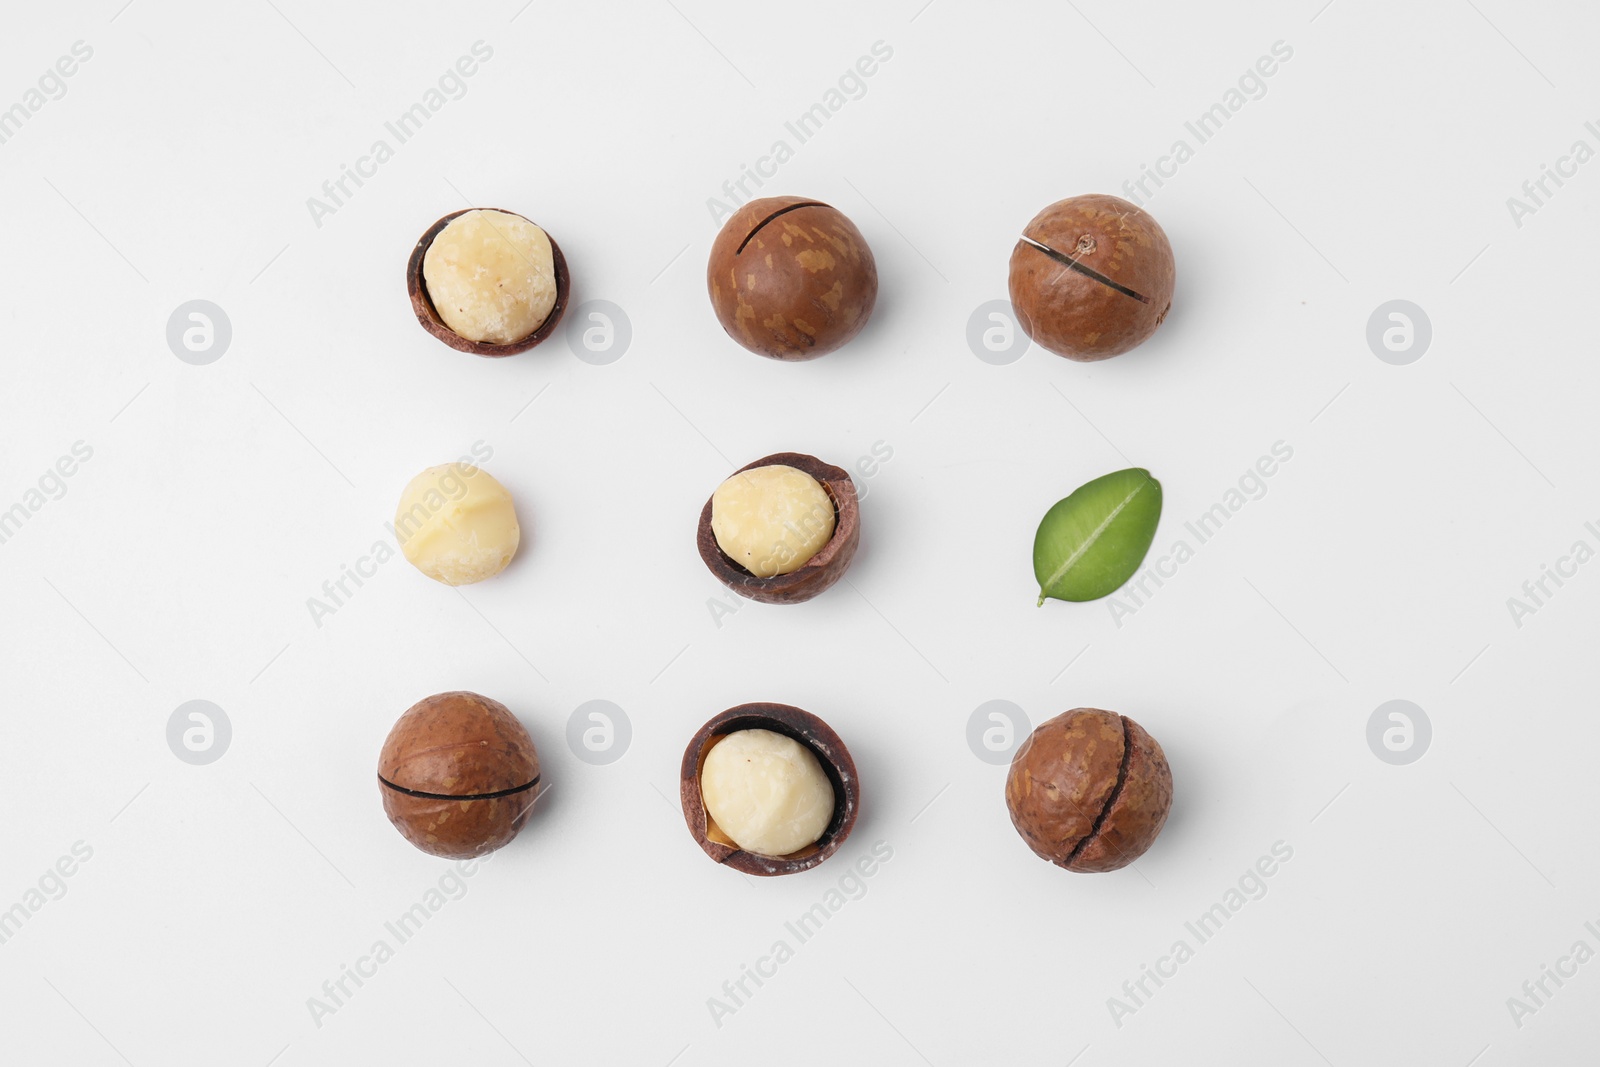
{"points": [[791, 278], [1089, 790], [458, 774]]}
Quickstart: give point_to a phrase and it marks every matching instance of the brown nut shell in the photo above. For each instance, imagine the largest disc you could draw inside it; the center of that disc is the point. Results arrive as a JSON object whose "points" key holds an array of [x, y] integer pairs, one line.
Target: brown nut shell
{"points": [[1091, 277], [791, 278], [1089, 791], [803, 727], [428, 315], [817, 573], [458, 774]]}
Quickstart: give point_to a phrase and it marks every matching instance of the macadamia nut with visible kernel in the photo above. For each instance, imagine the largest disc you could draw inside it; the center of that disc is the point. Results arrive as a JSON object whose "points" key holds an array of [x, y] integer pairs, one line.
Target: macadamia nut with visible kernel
{"points": [[767, 792], [491, 276], [456, 524], [771, 520]]}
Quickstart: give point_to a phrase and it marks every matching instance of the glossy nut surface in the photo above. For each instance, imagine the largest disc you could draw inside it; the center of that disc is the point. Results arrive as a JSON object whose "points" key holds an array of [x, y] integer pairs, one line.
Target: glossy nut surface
{"points": [[1089, 790], [458, 774], [791, 278], [1091, 277]]}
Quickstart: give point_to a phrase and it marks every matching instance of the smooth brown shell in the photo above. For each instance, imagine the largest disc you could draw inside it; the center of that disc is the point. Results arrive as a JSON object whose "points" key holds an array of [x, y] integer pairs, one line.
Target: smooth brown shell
{"points": [[1089, 791], [1078, 314], [817, 573], [428, 315], [791, 278], [803, 727], [458, 774]]}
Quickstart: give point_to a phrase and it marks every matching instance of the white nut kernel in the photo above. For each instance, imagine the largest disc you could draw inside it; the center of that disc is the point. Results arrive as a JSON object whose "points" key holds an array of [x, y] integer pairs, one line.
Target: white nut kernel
{"points": [[771, 520], [456, 524], [767, 792], [491, 276]]}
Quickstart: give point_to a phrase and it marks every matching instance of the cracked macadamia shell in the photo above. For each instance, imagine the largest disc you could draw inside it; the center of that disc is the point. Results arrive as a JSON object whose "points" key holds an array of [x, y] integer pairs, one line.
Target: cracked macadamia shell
{"points": [[1101, 283], [458, 774], [502, 294], [791, 278], [771, 520], [821, 569], [1089, 791], [491, 275], [828, 754]]}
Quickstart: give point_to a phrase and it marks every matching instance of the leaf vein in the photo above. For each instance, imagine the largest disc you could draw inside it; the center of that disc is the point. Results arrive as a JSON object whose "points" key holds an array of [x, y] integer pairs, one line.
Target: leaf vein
{"points": [[1089, 542]]}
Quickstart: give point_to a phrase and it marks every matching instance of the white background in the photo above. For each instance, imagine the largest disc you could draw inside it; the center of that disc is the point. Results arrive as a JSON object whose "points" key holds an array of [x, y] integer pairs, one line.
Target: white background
{"points": [[178, 563]]}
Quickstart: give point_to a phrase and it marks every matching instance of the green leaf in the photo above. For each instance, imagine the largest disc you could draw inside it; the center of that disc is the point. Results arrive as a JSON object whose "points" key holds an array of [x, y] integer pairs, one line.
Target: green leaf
{"points": [[1094, 540]]}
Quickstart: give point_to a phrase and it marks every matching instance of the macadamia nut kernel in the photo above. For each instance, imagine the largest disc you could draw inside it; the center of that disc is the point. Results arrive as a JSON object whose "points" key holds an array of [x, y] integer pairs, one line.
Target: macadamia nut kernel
{"points": [[491, 276], [456, 524], [767, 792], [771, 520]]}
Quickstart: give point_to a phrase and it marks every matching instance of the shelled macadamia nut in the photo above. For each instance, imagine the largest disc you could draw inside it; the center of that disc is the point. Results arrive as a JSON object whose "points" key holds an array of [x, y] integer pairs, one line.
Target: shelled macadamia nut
{"points": [[456, 524], [782, 529], [488, 282], [492, 276], [768, 789], [767, 792], [771, 520]]}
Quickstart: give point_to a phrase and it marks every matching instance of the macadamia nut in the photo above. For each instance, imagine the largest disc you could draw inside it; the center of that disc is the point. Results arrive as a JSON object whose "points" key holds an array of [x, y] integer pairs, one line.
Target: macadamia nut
{"points": [[456, 524], [767, 792], [771, 520], [491, 276]]}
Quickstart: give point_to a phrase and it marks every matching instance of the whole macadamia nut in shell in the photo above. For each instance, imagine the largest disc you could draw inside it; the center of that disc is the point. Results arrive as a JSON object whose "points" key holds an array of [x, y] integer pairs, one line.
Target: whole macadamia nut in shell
{"points": [[1089, 790], [791, 278], [458, 775], [1091, 277]]}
